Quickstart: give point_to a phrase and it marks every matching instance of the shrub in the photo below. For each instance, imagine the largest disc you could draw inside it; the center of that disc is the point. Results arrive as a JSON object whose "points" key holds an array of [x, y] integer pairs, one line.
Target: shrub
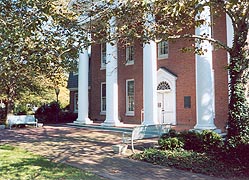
{"points": [[2, 113], [238, 151], [171, 133], [206, 141], [192, 141], [48, 113], [66, 117], [170, 143], [152, 155], [212, 142]]}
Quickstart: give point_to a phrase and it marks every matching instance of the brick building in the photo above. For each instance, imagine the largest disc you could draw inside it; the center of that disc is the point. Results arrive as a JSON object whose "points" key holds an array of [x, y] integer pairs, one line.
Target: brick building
{"points": [[154, 83]]}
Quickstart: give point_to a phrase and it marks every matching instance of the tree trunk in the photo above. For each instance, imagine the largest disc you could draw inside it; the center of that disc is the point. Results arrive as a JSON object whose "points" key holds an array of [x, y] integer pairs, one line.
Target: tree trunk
{"points": [[238, 117]]}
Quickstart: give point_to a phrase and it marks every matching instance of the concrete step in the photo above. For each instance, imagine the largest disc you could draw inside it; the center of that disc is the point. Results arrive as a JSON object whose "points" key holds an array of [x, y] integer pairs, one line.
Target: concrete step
{"points": [[107, 128]]}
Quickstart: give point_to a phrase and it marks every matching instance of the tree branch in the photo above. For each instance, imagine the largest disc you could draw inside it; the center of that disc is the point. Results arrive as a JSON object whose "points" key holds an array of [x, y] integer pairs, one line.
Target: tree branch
{"points": [[191, 36]]}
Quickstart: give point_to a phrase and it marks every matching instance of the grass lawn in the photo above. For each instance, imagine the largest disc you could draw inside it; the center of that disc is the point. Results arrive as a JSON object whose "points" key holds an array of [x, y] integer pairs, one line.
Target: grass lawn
{"points": [[16, 163]]}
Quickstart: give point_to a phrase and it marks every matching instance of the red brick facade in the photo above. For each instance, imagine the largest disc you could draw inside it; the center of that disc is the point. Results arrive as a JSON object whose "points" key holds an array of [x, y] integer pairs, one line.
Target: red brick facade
{"points": [[181, 64]]}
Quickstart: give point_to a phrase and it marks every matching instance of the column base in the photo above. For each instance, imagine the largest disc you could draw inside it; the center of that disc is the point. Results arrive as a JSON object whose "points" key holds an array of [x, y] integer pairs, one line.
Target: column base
{"points": [[149, 123], [84, 121], [218, 131], [203, 127], [207, 127], [111, 124]]}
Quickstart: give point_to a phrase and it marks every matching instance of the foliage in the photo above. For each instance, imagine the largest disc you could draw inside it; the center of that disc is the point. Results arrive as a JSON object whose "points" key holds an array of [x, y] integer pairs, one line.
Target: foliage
{"points": [[35, 100], [38, 42], [238, 152], [195, 162], [52, 113], [18, 164], [170, 143], [212, 142], [201, 152], [206, 141], [48, 113], [67, 117], [23, 109], [2, 113], [143, 20]]}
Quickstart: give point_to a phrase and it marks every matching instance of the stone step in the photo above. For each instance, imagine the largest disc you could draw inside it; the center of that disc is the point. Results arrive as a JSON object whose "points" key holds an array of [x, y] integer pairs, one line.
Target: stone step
{"points": [[107, 128]]}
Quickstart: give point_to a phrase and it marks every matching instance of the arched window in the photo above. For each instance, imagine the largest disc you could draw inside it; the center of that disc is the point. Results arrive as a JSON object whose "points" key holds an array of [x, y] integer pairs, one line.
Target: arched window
{"points": [[163, 86]]}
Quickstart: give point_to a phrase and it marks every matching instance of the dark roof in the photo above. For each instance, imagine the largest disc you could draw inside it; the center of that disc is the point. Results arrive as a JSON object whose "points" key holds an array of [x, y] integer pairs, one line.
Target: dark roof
{"points": [[72, 81], [169, 71]]}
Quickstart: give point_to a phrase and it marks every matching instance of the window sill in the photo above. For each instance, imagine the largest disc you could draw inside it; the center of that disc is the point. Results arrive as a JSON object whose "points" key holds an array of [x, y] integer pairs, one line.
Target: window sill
{"points": [[103, 113], [102, 68], [163, 57], [128, 63], [130, 114]]}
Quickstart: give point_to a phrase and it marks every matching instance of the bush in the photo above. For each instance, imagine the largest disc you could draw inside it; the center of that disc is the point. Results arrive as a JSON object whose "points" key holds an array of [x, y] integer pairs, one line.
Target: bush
{"points": [[206, 141], [238, 151], [2, 113], [66, 117], [194, 162], [171, 133], [48, 113], [192, 141], [170, 143], [212, 142]]}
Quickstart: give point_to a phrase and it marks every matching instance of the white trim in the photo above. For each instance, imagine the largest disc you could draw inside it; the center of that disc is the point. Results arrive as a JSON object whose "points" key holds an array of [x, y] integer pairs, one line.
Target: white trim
{"points": [[102, 113], [101, 99], [128, 63], [163, 75], [230, 37], [129, 113]]}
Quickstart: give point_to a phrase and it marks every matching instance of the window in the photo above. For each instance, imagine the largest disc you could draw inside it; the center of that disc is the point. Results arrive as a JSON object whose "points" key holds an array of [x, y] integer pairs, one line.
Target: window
{"points": [[130, 97], [187, 101], [103, 98], [163, 86], [163, 49], [76, 102], [103, 56], [129, 55]]}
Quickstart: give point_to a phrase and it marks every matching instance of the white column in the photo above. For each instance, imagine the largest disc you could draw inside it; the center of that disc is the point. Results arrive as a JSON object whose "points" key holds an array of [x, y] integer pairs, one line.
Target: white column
{"points": [[83, 88], [150, 83], [204, 77], [111, 81]]}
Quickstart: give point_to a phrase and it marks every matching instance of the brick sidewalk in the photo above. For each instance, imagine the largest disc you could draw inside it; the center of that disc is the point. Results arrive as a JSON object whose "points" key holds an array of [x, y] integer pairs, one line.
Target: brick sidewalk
{"points": [[90, 150]]}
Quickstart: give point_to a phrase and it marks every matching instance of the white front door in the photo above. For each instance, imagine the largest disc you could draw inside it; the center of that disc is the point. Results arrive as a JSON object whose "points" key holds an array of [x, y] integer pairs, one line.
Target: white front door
{"points": [[165, 107]]}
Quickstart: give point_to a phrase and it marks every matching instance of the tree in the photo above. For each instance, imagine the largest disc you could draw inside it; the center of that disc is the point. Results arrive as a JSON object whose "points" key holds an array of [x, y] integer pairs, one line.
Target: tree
{"points": [[39, 41], [174, 18]]}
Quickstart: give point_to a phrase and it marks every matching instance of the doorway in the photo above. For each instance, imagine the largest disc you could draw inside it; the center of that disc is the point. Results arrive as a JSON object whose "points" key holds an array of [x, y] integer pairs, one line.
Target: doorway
{"points": [[166, 97], [165, 107]]}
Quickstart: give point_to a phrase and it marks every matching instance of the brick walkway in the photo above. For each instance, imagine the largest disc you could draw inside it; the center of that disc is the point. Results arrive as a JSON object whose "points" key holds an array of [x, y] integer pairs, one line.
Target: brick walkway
{"points": [[90, 150]]}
